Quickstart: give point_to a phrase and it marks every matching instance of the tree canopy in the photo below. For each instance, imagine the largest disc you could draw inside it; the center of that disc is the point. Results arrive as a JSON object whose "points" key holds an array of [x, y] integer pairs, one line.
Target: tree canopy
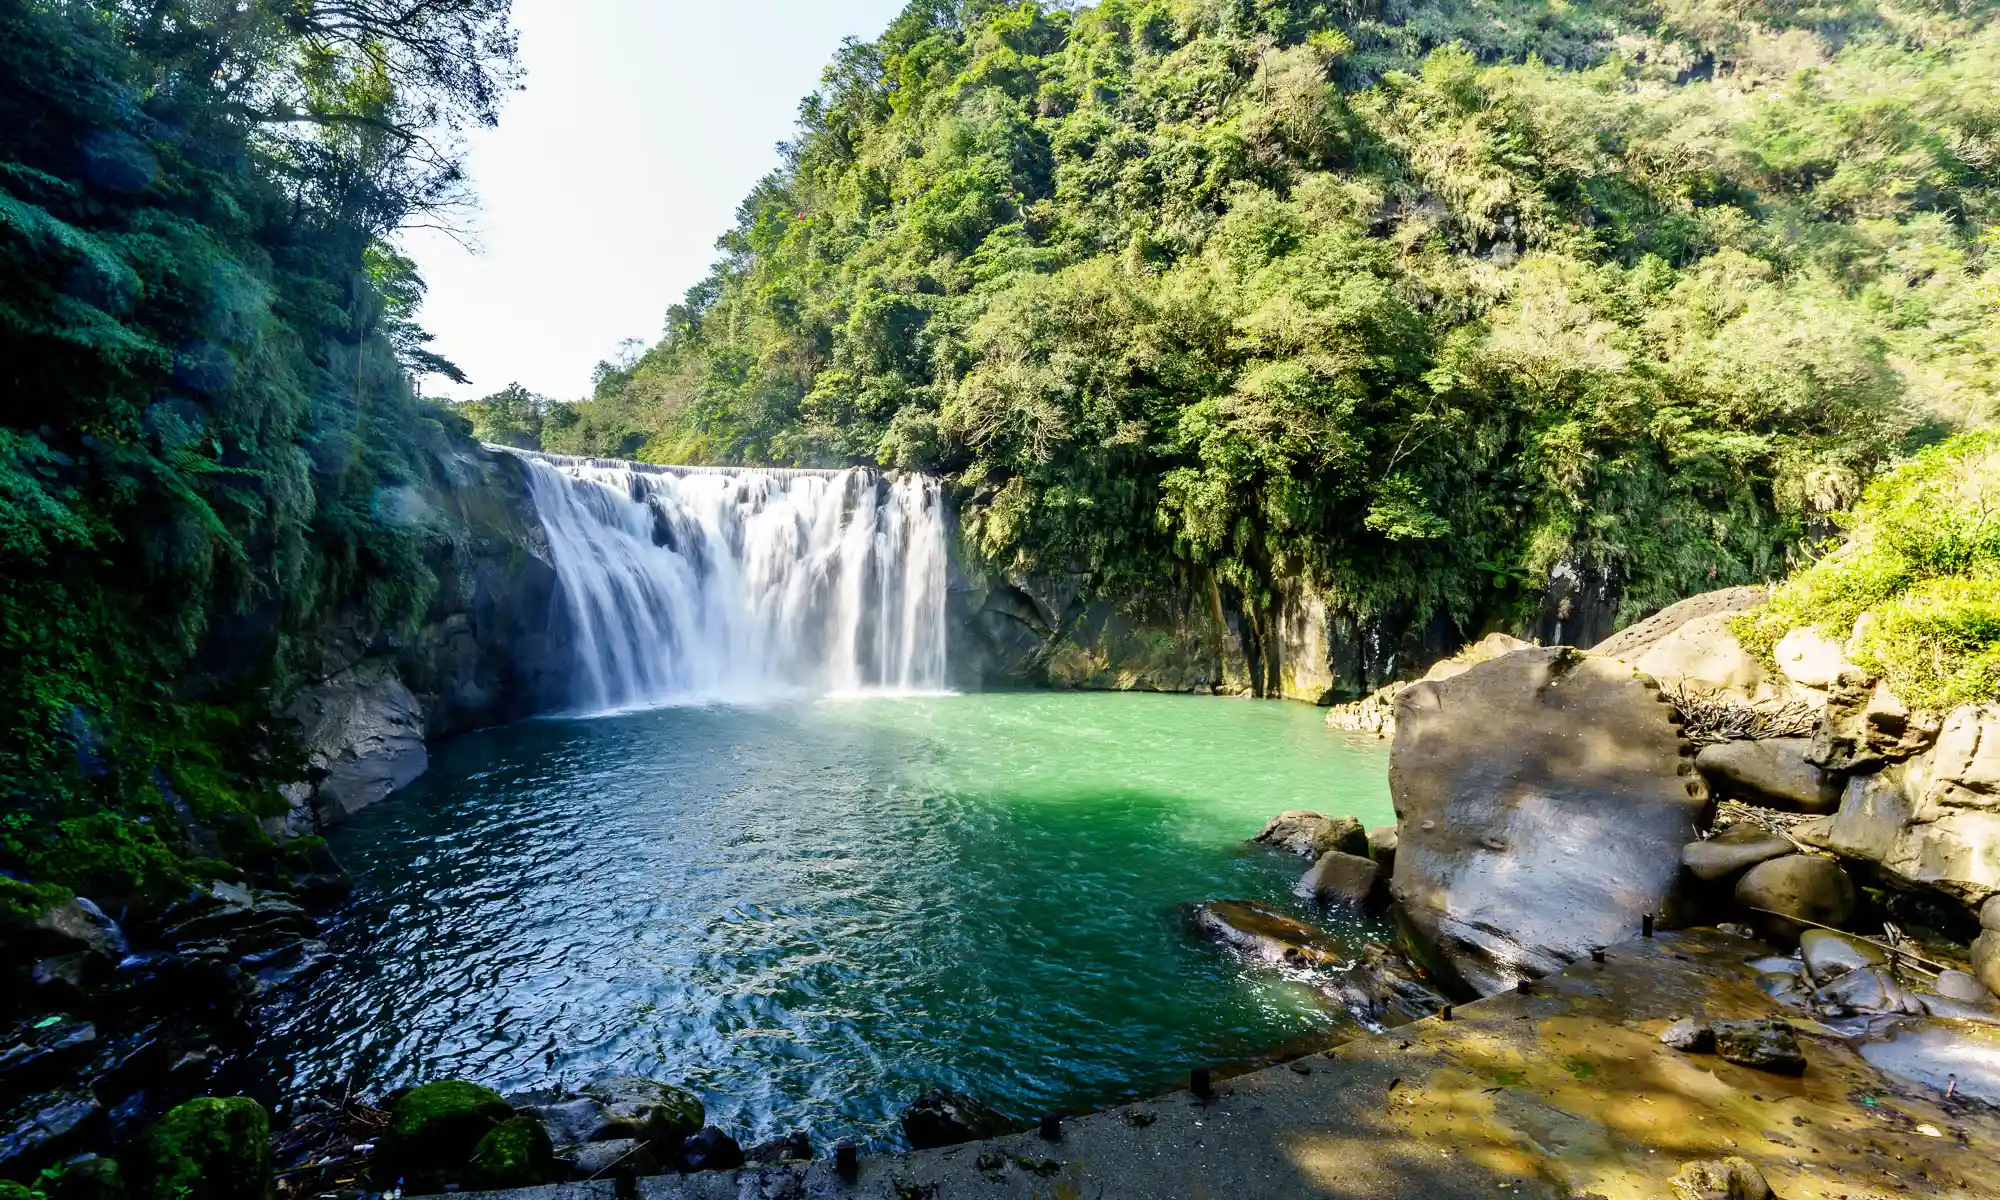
{"points": [[1411, 302]]}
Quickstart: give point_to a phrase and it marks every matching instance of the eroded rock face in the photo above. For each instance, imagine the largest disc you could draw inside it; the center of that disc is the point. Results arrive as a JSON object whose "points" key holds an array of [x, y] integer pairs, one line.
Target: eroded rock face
{"points": [[1925, 824], [1703, 654], [363, 733], [1772, 773], [1864, 726], [1542, 802]]}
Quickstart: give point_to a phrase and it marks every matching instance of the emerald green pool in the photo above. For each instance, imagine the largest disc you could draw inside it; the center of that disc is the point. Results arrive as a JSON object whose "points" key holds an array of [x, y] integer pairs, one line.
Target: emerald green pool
{"points": [[812, 912]]}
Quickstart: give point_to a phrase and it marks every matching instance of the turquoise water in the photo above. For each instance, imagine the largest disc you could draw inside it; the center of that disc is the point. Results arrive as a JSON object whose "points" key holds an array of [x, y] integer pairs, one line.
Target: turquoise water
{"points": [[810, 913]]}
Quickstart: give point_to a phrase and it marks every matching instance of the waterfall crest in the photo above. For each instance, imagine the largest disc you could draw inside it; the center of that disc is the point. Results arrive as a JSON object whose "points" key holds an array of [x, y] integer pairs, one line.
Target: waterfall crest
{"points": [[699, 584]]}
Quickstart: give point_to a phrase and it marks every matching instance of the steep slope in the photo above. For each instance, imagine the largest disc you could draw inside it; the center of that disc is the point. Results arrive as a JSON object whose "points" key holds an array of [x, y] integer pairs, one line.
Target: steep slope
{"points": [[1371, 318]]}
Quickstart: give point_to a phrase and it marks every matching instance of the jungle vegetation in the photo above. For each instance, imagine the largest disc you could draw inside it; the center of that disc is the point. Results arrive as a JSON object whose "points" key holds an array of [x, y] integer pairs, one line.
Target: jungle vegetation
{"points": [[1409, 301], [207, 343]]}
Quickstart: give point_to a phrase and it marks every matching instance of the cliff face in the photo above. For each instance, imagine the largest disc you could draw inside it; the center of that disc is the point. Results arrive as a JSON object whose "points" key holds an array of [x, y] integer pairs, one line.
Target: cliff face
{"points": [[1177, 636], [491, 646]]}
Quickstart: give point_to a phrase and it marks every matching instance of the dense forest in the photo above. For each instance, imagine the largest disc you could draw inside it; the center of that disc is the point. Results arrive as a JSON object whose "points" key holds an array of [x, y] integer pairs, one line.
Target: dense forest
{"points": [[209, 431], [1413, 301]]}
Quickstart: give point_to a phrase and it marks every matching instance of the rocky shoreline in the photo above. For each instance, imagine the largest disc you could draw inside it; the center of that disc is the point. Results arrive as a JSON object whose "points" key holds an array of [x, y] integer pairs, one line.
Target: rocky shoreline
{"points": [[1549, 801]]}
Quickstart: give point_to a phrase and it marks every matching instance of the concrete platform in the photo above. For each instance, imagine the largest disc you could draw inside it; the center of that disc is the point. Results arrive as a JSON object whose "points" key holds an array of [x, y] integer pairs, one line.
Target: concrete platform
{"points": [[1563, 1094]]}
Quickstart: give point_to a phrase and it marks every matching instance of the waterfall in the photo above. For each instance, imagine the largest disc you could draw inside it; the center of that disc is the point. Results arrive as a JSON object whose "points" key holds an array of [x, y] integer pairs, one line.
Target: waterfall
{"points": [[697, 584]]}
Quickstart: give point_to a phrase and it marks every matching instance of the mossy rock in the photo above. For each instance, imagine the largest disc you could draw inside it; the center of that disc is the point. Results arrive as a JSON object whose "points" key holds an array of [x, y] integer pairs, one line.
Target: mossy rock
{"points": [[211, 1148], [642, 1108], [434, 1131], [9, 1190], [89, 1179], [515, 1153]]}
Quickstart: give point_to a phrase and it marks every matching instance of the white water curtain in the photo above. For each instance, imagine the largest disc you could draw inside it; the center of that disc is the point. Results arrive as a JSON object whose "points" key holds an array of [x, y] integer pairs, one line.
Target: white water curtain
{"points": [[689, 584]]}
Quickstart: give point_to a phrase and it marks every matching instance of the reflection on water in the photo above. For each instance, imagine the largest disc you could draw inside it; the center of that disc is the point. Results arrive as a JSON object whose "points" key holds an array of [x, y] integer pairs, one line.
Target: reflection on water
{"points": [[810, 913]]}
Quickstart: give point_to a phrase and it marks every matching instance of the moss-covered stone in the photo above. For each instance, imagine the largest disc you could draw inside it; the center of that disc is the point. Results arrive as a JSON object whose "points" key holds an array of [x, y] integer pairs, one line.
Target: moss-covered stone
{"points": [[212, 1148], [435, 1128], [515, 1153], [89, 1179], [9, 1190]]}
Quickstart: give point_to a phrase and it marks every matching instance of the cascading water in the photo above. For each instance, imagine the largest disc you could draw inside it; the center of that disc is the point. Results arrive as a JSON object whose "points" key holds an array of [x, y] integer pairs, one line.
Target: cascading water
{"points": [[691, 584]]}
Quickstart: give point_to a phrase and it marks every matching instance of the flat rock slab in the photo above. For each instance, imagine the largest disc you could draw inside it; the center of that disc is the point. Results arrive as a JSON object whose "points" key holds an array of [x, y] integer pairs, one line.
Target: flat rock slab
{"points": [[1561, 1092], [596, 1189]]}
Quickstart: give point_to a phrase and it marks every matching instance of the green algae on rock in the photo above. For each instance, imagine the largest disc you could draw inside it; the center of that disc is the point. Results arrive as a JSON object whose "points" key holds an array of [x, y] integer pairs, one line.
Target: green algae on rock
{"points": [[435, 1129], [515, 1153], [211, 1148]]}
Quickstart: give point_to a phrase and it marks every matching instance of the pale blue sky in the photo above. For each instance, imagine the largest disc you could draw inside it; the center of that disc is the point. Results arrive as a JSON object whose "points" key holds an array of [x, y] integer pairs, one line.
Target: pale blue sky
{"points": [[608, 180]]}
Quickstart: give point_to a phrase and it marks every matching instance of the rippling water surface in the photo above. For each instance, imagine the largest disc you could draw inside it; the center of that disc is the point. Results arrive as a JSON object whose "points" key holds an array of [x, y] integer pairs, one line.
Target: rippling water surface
{"points": [[810, 913]]}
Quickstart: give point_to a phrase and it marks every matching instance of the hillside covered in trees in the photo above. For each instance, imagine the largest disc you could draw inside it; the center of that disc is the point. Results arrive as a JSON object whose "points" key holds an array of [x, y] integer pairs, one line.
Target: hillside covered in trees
{"points": [[209, 441], [1413, 301]]}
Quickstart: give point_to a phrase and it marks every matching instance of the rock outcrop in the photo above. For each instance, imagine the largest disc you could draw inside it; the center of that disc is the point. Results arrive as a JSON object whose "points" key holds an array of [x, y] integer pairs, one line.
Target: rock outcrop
{"points": [[1690, 644], [1929, 823], [492, 647], [1542, 801], [1309, 834]]}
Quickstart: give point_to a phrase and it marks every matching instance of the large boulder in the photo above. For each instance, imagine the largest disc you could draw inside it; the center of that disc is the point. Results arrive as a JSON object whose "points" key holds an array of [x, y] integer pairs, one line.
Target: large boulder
{"points": [[1309, 834], [1986, 947], [1632, 642], [433, 1131], [1772, 772], [207, 1149], [1704, 655], [1542, 801], [1933, 822], [516, 1153], [1807, 887]]}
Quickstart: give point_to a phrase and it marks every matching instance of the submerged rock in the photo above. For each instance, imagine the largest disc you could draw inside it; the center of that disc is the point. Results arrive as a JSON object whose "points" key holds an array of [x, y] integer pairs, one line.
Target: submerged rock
{"points": [[1264, 934], [1345, 878], [1542, 802], [1828, 955], [1806, 886], [946, 1118], [1865, 991], [1733, 849], [1309, 834], [1767, 1045], [641, 1108], [1772, 772]]}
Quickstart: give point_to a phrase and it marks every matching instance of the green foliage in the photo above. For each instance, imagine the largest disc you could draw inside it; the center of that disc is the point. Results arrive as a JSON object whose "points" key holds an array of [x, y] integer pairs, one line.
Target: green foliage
{"points": [[209, 432], [512, 416], [1918, 578], [211, 1148], [1413, 303]]}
